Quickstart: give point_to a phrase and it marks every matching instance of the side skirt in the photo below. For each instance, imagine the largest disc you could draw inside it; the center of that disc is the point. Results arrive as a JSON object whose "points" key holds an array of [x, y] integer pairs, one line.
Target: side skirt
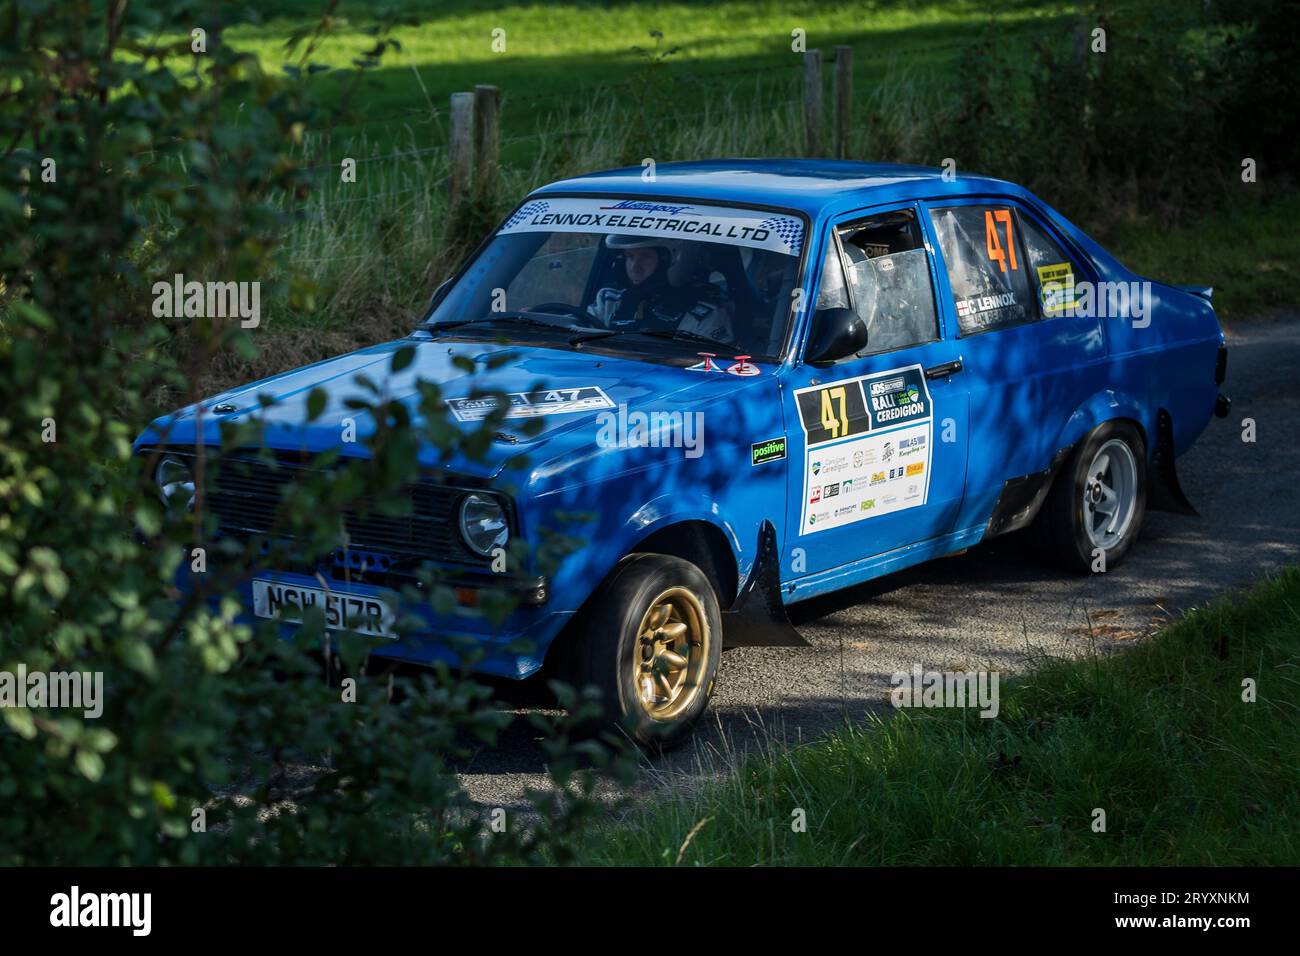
{"points": [[866, 569]]}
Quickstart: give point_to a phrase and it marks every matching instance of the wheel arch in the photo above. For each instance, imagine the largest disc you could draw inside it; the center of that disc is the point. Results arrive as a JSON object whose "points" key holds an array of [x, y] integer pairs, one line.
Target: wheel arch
{"points": [[1108, 405], [1023, 496], [1066, 450], [702, 543], [690, 537]]}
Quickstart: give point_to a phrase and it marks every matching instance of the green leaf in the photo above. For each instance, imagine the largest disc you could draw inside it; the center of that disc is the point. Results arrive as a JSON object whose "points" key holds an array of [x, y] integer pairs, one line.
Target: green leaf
{"points": [[148, 520], [316, 402], [139, 656], [20, 721], [56, 583], [403, 357], [99, 739], [90, 764], [163, 796]]}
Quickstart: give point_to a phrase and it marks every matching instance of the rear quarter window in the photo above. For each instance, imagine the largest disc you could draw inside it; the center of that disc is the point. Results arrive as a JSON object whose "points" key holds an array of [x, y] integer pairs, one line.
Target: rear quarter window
{"points": [[1053, 273]]}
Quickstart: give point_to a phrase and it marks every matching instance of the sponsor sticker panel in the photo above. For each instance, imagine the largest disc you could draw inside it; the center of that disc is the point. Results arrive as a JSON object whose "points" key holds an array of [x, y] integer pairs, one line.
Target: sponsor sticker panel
{"points": [[555, 401], [1056, 285], [754, 229], [868, 447]]}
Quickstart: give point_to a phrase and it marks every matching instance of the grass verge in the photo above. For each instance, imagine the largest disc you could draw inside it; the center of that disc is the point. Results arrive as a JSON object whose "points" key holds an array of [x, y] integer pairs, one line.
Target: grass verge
{"points": [[1159, 738]]}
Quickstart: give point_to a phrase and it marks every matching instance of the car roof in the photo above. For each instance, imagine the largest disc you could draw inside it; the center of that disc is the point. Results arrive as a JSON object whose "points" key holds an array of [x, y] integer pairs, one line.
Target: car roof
{"points": [[817, 187], [820, 188]]}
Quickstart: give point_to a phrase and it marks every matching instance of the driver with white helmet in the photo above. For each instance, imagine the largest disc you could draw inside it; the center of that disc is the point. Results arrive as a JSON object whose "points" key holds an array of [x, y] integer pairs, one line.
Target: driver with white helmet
{"points": [[661, 292]]}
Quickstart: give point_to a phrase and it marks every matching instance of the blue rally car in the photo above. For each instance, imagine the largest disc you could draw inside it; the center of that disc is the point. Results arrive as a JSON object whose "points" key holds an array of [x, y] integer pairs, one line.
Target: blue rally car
{"points": [[759, 381]]}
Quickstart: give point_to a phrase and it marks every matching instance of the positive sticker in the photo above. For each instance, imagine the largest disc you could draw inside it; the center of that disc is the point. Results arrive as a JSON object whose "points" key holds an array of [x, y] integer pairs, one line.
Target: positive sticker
{"points": [[765, 451], [556, 401]]}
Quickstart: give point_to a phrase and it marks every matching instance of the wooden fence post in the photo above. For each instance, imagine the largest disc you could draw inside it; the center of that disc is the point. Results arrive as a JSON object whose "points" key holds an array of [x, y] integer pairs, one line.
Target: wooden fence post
{"points": [[460, 149], [487, 142], [812, 100], [843, 99]]}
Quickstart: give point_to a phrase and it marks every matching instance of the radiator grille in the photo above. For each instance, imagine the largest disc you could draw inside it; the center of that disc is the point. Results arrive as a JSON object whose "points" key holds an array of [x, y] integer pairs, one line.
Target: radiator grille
{"points": [[245, 494]]}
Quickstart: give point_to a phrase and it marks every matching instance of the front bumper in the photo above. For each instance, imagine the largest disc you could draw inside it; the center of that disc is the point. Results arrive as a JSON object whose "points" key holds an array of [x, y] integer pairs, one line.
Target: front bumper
{"points": [[513, 647]]}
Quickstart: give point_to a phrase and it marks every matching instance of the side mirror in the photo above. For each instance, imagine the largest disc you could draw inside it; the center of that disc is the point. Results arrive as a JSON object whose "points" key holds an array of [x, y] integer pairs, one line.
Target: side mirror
{"points": [[836, 333]]}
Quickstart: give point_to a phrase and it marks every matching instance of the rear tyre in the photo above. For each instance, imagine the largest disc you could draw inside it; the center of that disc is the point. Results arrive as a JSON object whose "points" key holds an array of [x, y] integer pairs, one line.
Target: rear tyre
{"points": [[1098, 501], [650, 640]]}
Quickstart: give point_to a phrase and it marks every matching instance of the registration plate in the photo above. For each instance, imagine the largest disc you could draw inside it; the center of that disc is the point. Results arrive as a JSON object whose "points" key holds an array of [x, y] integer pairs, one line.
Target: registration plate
{"points": [[362, 613]]}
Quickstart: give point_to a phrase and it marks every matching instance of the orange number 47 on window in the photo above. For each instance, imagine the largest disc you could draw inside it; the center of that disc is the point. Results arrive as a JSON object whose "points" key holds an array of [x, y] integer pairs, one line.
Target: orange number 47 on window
{"points": [[996, 252]]}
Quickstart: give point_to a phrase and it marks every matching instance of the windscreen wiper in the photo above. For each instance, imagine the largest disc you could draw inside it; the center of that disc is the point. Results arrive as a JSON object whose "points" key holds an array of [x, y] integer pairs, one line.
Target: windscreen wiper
{"points": [[678, 335], [591, 335], [683, 335], [503, 318]]}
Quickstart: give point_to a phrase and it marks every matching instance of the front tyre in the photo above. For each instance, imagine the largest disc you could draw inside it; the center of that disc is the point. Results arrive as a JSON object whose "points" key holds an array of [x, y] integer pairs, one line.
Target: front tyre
{"points": [[650, 640], [1098, 502]]}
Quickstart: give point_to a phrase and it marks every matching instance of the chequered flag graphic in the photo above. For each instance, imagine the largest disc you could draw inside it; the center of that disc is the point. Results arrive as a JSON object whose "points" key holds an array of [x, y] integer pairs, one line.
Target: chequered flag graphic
{"points": [[526, 210], [789, 230]]}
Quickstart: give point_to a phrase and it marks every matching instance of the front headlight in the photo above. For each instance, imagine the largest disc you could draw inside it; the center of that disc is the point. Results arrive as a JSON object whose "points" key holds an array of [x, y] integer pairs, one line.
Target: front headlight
{"points": [[483, 525], [175, 482]]}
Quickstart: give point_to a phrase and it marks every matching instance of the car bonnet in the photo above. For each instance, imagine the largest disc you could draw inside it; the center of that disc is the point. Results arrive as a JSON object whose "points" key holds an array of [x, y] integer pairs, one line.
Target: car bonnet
{"points": [[562, 390]]}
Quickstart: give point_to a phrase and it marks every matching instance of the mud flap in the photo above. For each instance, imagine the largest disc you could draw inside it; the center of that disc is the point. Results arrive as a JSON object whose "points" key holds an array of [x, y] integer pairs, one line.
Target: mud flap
{"points": [[758, 617], [1163, 491]]}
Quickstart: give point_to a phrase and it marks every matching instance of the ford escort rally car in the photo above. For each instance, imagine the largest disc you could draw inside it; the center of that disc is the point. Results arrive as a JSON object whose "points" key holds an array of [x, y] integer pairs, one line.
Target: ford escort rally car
{"points": [[760, 381]]}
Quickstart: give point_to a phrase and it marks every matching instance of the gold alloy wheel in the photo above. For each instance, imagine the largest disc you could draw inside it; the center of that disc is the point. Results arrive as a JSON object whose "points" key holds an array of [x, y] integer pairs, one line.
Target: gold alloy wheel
{"points": [[672, 653]]}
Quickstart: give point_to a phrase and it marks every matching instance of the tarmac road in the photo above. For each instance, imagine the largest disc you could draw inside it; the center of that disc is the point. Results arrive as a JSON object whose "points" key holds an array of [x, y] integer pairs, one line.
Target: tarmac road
{"points": [[994, 607]]}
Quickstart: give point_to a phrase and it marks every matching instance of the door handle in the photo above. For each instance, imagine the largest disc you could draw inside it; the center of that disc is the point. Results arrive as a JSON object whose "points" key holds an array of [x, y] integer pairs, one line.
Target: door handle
{"points": [[947, 368]]}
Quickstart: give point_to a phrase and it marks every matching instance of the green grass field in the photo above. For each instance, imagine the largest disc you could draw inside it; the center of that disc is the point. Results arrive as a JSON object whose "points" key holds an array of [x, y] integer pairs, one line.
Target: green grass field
{"points": [[1159, 738], [555, 54]]}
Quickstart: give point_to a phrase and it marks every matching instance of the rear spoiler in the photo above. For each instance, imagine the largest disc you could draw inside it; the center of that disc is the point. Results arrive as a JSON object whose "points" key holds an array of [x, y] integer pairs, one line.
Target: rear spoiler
{"points": [[1205, 292]]}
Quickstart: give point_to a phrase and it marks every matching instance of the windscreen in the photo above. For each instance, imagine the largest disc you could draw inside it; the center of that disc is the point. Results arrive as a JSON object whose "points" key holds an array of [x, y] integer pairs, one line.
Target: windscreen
{"points": [[634, 273]]}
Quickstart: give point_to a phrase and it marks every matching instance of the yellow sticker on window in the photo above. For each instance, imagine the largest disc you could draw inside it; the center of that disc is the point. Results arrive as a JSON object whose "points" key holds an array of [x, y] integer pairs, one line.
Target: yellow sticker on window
{"points": [[1056, 287]]}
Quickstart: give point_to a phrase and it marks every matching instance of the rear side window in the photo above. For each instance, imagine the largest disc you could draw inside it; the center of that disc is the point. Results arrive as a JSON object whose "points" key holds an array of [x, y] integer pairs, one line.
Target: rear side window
{"points": [[982, 251], [1053, 273]]}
